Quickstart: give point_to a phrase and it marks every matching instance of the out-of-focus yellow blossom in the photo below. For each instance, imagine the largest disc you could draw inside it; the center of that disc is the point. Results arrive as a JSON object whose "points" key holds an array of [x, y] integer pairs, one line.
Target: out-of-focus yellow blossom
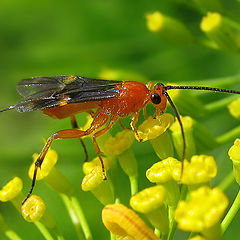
{"points": [[153, 127], [49, 161], [177, 136], [169, 28], [95, 163], [200, 169], [102, 189], [221, 30], [11, 189], [33, 208], [234, 108], [204, 209], [150, 201], [123, 140], [164, 171], [234, 154], [126, 224], [197, 238]]}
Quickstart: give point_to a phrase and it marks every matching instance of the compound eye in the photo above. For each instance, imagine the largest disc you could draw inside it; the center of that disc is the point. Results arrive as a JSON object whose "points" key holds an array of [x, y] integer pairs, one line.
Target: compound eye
{"points": [[155, 98]]}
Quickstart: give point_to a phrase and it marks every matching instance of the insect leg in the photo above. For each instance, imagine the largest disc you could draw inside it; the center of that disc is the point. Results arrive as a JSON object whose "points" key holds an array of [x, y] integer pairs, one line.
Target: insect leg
{"points": [[75, 125], [133, 125], [99, 133], [98, 121], [121, 124]]}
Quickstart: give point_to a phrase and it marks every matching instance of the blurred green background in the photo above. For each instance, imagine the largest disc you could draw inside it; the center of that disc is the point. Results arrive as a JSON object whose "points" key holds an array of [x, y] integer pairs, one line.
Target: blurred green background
{"points": [[77, 37]]}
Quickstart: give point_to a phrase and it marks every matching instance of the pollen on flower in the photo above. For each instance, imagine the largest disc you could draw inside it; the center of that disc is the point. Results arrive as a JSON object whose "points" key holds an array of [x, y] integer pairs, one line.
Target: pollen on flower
{"points": [[200, 169], [234, 109], [153, 127], [164, 171], [33, 209], [211, 21], [125, 223], [11, 189], [195, 216], [148, 199], [123, 140], [49, 161]]}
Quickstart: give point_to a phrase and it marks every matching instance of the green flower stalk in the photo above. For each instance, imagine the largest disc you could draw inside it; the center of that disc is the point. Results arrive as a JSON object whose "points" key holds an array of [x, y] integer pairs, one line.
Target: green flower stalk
{"points": [[126, 224], [120, 147], [150, 201], [224, 32], [234, 108], [169, 28], [8, 232], [155, 130], [203, 212]]}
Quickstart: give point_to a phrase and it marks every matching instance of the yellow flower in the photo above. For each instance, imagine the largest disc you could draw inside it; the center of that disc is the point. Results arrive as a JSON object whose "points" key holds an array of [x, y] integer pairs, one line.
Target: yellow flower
{"points": [[33, 208], [211, 21], [234, 108], [200, 169], [95, 163], [154, 127], [150, 201], [11, 189], [204, 209], [49, 161], [197, 238], [164, 171], [234, 154], [123, 140], [126, 224]]}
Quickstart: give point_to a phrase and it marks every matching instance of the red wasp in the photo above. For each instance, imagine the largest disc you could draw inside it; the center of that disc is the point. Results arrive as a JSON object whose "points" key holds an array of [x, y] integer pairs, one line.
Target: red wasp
{"points": [[64, 96]]}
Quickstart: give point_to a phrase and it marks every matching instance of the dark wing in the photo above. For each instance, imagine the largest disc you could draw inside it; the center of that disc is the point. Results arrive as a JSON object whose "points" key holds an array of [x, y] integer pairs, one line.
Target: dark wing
{"points": [[47, 92]]}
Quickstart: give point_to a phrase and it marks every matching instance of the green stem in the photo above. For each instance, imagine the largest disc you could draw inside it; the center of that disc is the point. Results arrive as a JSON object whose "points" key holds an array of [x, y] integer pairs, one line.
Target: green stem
{"points": [[229, 136], [219, 104], [73, 215], [227, 181], [12, 235], [44, 231], [172, 223], [231, 213], [133, 184], [81, 218]]}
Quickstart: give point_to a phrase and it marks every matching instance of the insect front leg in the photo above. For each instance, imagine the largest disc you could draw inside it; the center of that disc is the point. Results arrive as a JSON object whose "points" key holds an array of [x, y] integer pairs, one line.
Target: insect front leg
{"points": [[133, 125], [75, 125], [99, 133]]}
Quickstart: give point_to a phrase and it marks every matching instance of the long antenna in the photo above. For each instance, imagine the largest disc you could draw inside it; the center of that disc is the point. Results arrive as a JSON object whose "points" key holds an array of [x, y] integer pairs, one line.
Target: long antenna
{"points": [[181, 126], [202, 88], [6, 109]]}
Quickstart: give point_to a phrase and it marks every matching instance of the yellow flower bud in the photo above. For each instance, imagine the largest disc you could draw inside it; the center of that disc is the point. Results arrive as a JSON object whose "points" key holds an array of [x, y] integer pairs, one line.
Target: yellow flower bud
{"points": [[194, 216], [33, 208], [126, 224], [197, 238], [200, 169], [211, 21], [153, 127], [11, 189], [123, 140], [95, 163], [234, 109], [49, 161], [234, 154], [164, 171], [92, 179]]}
